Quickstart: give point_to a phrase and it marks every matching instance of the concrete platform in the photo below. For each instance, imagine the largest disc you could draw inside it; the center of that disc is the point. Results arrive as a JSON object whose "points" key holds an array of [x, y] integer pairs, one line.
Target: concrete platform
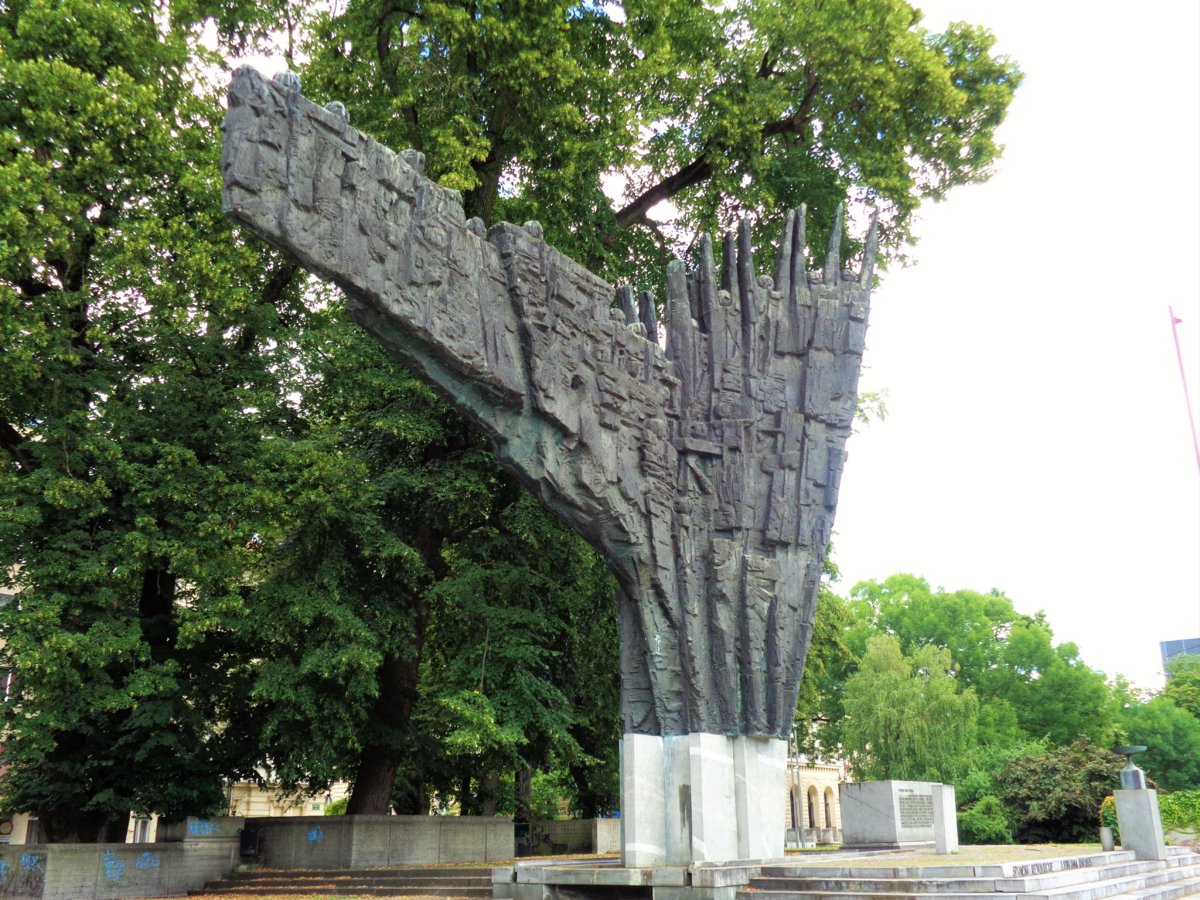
{"points": [[1026, 874]]}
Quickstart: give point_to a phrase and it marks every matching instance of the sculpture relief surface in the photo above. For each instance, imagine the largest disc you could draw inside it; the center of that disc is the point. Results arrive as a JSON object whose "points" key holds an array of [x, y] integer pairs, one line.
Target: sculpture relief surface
{"points": [[707, 474]]}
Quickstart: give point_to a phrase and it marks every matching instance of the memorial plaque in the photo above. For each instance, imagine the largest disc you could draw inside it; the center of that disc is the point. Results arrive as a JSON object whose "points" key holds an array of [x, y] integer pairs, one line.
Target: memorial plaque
{"points": [[916, 810]]}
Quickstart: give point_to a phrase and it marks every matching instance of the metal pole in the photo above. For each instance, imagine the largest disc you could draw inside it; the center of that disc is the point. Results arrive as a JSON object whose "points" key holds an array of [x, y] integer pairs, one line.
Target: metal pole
{"points": [[1183, 377]]}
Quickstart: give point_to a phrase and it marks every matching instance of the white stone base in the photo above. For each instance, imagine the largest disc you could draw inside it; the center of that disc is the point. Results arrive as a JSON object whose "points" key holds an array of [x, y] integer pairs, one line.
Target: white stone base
{"points": [[701, 798], [945, 819], [1140, 823]]}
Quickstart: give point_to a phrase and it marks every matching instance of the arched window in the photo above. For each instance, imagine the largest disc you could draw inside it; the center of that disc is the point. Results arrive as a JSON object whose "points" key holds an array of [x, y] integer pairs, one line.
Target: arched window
{"points": [[828, 807], [794, 796], [812, 808]]}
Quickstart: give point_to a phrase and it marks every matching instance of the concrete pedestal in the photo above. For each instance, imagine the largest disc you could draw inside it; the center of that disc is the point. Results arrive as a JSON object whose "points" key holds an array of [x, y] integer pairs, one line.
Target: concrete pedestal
{"points": [[701, 798], [1140, 823], [945, 819]]}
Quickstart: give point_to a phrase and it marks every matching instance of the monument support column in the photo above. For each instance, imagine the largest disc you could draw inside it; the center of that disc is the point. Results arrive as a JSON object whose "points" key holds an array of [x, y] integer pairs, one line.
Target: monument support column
{"points": [[701, 798]]}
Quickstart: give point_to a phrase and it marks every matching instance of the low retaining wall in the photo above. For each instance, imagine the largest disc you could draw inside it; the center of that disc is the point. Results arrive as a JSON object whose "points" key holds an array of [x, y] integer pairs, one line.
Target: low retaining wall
{"points": [[110, 871], [361, 842], [575, 836]]}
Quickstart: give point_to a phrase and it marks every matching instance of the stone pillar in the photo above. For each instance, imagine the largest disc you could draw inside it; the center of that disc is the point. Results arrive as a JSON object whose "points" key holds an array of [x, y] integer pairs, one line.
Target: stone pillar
{"points": [[945, 819], [1140, 823], [701, 798], [643, 804], [760, 768]]}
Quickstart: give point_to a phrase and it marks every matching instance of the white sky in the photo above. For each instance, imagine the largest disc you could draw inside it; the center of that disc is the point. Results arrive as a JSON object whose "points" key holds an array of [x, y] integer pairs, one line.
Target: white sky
{"points": [[1037, 439]]}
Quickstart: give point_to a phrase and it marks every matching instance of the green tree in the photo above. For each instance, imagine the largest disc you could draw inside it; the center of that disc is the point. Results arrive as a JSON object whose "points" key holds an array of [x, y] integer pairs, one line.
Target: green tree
{"points": [[527, 108], [1172, 738], [1028, 687], [148, 357], [1055, 795], [425, 617], [1183, 682], [905, 716]]}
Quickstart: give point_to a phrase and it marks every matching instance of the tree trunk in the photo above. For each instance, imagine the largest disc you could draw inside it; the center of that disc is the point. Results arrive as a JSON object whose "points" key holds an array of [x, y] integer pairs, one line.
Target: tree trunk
{"points": [[380, 758], [372, 794], [523, 787], [72, 826], [490, 794]]}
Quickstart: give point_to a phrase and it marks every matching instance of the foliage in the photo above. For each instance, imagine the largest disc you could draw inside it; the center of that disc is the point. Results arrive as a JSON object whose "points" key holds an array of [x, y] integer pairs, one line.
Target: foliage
{"points": [[337, 807], [905, 717], [1028, 687], [425, 616], [1183, 682], [1108, 817], [987, 762], [984, 822], [829, 662], [1180, 811], [1055, 796], [749, 107], [148, 356], [1172, 738]]}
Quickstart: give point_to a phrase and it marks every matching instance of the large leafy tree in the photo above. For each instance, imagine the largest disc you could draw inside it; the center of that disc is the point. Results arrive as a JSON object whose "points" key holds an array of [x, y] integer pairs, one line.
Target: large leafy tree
{"points": [[1172, 738], [1183, 682], [722, 109], [424, 617], [906, 717], [528, 108], [147, 357], [1054, 794], [1028, 687]]}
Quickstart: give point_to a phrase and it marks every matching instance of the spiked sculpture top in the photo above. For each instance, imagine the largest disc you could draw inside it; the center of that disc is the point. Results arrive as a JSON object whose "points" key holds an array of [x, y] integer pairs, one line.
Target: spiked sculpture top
{"points": [[707, 475]]}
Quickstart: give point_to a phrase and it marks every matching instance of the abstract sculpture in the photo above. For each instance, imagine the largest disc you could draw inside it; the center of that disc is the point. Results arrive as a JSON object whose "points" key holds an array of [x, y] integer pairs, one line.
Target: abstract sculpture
{"points": [[707, 474]]}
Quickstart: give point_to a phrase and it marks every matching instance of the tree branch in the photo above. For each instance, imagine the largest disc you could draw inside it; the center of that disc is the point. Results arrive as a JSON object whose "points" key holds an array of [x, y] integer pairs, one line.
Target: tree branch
{"points": [[695, 172], [276, 285], [700, 169], [10, 442]]}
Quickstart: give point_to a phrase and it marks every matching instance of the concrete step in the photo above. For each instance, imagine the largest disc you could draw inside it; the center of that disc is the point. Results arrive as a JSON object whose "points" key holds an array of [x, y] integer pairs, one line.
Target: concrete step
{"points": [[472, 883], [329, 890], [1188, 888], [1168, 879]]}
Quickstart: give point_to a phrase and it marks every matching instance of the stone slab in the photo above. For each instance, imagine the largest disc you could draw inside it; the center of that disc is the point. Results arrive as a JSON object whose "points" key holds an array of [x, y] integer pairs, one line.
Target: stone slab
{"points": [[643, 801], [887, 813], [945, 819], [1140, 823]]}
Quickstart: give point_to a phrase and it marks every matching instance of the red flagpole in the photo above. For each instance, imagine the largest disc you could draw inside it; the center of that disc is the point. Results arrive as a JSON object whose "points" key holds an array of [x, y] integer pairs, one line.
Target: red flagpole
{"points": [[1183, 378]]}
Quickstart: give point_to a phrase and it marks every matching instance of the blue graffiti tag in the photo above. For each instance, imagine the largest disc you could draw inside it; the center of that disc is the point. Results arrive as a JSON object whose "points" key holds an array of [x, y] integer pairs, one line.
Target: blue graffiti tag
{"points": [[202, 827], [31, 862], [147, 860], [316, 834], [5, 868], [113, 867]]}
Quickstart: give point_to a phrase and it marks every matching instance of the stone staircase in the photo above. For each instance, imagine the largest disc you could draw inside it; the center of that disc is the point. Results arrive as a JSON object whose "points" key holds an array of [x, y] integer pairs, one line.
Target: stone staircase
{"points": [[1115, 875], [426, 881]]}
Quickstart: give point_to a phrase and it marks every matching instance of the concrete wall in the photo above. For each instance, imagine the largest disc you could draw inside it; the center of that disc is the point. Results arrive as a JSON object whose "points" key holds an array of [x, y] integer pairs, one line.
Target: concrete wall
{"points": [[356, 842], [575, 836], [110, 871]]}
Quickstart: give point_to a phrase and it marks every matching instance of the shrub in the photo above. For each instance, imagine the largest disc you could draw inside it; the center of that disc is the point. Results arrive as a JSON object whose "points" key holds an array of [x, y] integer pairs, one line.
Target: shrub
{"points": [[984, 822], [1180, 810]]}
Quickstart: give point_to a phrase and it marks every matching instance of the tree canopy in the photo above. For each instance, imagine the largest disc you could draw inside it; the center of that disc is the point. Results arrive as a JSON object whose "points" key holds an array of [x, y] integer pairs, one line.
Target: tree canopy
{"points": [[745, 108], [147, 351], [905, 717], [232, 523]]}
